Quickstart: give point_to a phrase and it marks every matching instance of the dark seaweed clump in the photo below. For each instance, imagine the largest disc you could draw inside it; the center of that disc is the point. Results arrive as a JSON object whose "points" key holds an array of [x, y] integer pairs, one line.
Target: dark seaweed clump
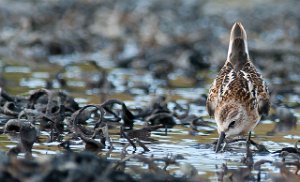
{"points": [[58, 114]]}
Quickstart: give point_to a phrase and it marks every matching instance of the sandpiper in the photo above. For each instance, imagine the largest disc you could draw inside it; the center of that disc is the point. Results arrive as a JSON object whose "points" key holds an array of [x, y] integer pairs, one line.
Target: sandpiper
{"points": [[238, 96]]}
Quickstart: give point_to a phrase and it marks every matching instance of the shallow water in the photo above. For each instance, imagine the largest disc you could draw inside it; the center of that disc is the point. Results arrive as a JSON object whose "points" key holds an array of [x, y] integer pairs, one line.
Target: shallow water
{"points": [[195, 149]]}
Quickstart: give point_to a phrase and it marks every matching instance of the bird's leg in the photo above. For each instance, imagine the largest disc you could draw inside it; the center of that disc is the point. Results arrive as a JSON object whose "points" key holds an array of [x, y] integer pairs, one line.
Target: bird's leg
{"points": [[260, 147], [249, 141], [166, 130]]}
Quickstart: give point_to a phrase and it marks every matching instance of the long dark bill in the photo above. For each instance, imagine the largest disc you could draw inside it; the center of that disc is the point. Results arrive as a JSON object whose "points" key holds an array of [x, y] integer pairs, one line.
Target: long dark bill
{"points": [[220, 141]]}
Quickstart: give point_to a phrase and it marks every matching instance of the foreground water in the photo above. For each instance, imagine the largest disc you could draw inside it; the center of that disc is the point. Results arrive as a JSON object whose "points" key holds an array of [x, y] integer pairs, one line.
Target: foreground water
{"points": [[137, 88]]}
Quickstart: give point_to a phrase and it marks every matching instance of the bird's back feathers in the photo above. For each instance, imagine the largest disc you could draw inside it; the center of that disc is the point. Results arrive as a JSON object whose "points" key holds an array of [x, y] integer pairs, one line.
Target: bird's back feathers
{"points": [[238, 80]]}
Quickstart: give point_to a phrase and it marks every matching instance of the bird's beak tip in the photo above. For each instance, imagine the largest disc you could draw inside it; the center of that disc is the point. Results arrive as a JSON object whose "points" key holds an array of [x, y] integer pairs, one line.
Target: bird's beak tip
{"points": [[220, 141]]}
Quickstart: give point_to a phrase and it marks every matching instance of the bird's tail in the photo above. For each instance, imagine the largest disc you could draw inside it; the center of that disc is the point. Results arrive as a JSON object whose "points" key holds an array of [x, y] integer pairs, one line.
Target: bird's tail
{"points": [[238, 47]]}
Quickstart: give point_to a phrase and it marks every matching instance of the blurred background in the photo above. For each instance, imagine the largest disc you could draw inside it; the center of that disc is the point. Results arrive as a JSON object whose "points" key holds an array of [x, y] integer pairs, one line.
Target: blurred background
{"points": [[137, 50], [168, 38]]}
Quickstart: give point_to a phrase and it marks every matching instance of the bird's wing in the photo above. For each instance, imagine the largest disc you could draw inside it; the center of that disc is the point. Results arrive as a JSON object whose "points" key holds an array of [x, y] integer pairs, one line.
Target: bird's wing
{"points": [[217, 88], [259, 89]]}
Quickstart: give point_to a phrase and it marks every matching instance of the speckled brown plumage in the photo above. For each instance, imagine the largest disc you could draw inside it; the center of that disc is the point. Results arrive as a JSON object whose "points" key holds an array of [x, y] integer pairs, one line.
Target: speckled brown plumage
{"points": [[238, 96]]}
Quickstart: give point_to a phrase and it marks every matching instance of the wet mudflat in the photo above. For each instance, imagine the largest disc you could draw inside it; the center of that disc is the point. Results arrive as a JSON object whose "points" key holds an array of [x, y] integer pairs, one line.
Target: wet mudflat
{"points": [[116, 99], [188, 140]]}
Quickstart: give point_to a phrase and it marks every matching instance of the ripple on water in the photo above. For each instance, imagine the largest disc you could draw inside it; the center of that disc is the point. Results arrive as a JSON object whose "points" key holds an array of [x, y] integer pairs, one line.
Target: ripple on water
{"points": [[32, 83], [17, 69], [42, 75]]}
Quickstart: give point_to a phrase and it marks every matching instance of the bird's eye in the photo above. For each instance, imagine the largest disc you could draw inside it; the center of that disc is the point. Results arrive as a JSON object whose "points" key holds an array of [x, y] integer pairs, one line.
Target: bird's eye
{"points": [[231, 125]]}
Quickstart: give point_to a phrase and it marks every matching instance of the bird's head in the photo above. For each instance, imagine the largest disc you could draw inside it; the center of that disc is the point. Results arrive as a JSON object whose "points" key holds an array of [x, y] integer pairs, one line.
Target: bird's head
{"points": [[231, 121]]}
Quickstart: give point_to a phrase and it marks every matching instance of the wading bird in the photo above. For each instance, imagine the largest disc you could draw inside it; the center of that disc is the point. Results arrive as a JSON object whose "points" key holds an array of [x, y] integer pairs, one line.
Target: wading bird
{"points": [[238, 97]]}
